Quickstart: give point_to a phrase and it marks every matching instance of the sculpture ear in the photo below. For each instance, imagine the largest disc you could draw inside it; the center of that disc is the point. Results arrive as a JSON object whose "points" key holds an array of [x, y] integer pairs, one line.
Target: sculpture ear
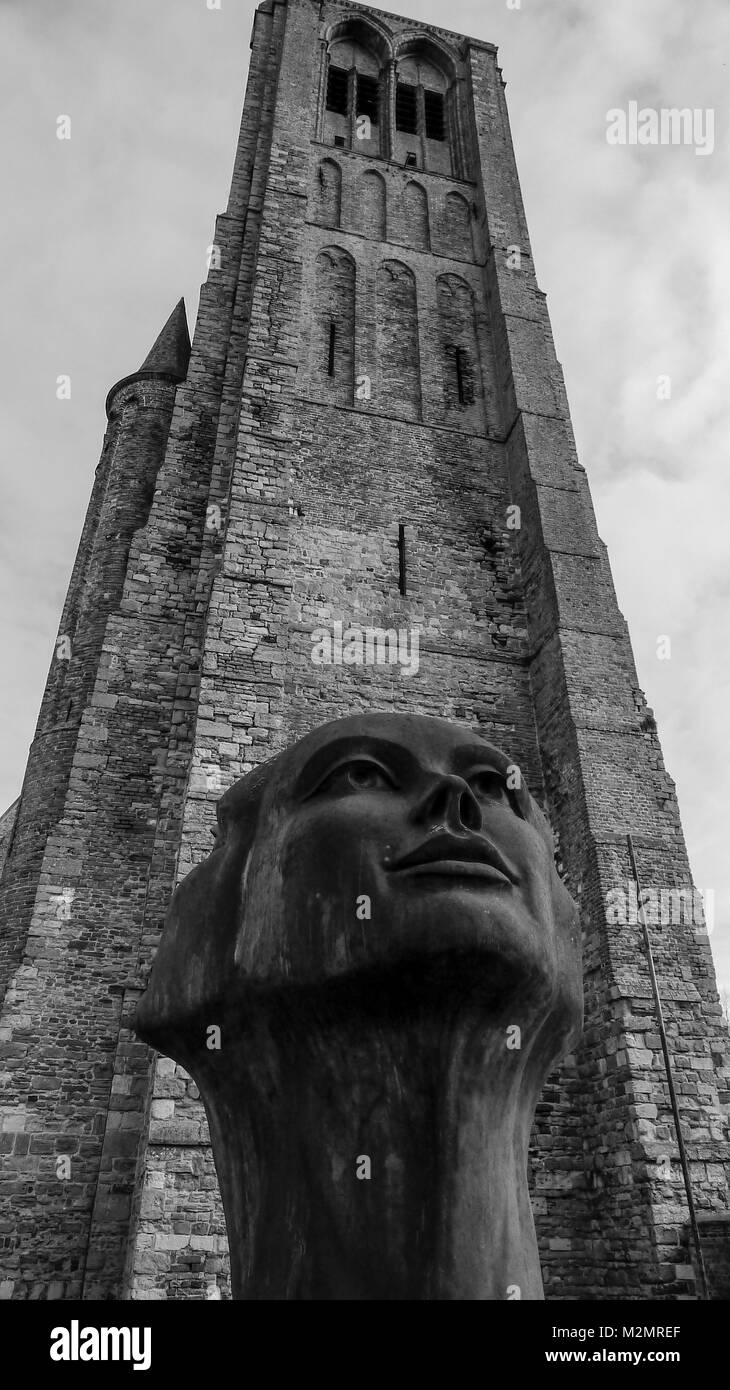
{"points": [[194, 964], [176, 985]]}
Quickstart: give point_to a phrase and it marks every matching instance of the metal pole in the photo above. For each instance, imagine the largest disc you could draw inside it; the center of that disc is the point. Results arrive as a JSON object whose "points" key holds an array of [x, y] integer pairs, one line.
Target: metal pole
{"points": [[670, 1079]]}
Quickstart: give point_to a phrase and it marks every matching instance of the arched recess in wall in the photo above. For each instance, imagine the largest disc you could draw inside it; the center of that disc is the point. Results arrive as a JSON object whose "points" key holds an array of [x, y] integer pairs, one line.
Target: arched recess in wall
{"points": [[356, 55], [399, 372], [456, 233], [427, 131], [415, 217], [332, 344], [327, 197], [368, 214], [460, 357]]}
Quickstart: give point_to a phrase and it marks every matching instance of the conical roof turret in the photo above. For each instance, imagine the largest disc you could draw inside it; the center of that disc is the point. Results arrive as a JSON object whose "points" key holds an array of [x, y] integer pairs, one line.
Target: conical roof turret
{"points": [[168, 357], [170, 352]]}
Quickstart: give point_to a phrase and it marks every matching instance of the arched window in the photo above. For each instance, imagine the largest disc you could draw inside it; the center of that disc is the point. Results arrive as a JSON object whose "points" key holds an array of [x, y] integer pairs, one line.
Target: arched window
{"points": [[327, 194], [370, 210], [355, 96], [415, 216], [461, 366], [399, 372], [332, 343], [425, 107], [456, 233]]}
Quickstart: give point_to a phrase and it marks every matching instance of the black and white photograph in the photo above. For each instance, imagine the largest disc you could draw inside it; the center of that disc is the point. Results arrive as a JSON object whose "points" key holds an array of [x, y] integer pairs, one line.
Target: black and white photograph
{"points": [[365, 885]]}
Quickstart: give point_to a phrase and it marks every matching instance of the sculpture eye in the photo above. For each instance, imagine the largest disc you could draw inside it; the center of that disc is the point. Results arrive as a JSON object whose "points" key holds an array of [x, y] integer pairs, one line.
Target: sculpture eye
{"points": [[359, 774], [490, 786], [366, 776]]}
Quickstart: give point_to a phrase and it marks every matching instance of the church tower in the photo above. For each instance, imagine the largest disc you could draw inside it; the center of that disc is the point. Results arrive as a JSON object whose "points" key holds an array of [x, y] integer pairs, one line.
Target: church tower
{"points": [[371, 431]]}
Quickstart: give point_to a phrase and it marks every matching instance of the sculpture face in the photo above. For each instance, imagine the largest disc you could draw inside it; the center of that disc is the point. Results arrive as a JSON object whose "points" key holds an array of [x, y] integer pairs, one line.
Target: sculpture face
{"points": [[416, 814], [380, 906], [379, 840]]}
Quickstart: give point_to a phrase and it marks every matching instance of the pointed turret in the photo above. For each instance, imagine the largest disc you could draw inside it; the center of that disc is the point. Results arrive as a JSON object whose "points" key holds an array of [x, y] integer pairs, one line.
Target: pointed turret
{"points": [[170, 352], [167, 358]]}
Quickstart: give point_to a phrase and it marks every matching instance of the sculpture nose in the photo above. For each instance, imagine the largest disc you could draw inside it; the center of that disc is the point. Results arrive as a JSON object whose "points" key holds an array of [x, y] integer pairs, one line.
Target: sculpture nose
{"points": [[451, 803]]}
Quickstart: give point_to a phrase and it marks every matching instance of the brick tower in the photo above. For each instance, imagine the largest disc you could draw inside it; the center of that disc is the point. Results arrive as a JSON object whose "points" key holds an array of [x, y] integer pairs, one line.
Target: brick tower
{"points": [[371, 429]]}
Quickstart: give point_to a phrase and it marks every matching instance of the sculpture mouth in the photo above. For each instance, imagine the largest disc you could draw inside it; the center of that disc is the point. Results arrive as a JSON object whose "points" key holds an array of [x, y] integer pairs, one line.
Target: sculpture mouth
{"points": [[454, 856]]}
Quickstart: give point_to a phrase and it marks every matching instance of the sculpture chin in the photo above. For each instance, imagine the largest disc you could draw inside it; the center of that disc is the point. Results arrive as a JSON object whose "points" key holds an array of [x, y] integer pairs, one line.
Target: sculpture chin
{"points": [[473, 938]]}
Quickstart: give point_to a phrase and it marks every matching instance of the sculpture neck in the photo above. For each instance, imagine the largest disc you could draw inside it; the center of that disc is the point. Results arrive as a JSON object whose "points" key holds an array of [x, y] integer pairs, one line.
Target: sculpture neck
{"points": [[380, 1158]]}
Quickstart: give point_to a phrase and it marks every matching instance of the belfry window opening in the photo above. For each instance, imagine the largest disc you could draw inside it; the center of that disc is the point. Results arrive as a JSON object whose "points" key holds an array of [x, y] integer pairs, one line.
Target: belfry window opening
{"points": [[382, 99], [425, 107], [367, 97], [433, 105], [406, 108], [338, 82], [352, 93]]}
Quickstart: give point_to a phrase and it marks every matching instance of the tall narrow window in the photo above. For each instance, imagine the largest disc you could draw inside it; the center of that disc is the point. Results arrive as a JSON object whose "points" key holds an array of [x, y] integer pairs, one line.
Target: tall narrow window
{"points": [[367, 99], [463, 376], [331, 350], [406, 108], [337, 84], [434, 111], [402, 558], [460, 375]]}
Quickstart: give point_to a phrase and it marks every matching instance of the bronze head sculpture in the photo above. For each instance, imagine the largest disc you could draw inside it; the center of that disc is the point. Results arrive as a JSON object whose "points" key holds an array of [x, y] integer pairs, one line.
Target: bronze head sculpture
{"points": [[369, 979]]}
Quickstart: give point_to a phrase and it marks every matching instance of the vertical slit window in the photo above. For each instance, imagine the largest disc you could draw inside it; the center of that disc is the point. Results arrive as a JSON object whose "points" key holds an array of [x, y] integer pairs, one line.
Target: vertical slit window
{"points": [[460, 357], [337, 85], [434, 112], [367, 98], [331, 351], [406, 111], [402, 558]]}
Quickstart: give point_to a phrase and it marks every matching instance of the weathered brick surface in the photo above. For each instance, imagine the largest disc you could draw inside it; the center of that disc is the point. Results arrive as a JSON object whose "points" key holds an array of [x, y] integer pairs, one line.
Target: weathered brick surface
{"points": [[276, 511], [715, 1237], [7, 826]]}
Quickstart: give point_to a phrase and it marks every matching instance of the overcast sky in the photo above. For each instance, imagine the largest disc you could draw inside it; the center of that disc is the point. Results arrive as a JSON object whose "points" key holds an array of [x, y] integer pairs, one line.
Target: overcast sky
{"points": [[102, 233]]}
